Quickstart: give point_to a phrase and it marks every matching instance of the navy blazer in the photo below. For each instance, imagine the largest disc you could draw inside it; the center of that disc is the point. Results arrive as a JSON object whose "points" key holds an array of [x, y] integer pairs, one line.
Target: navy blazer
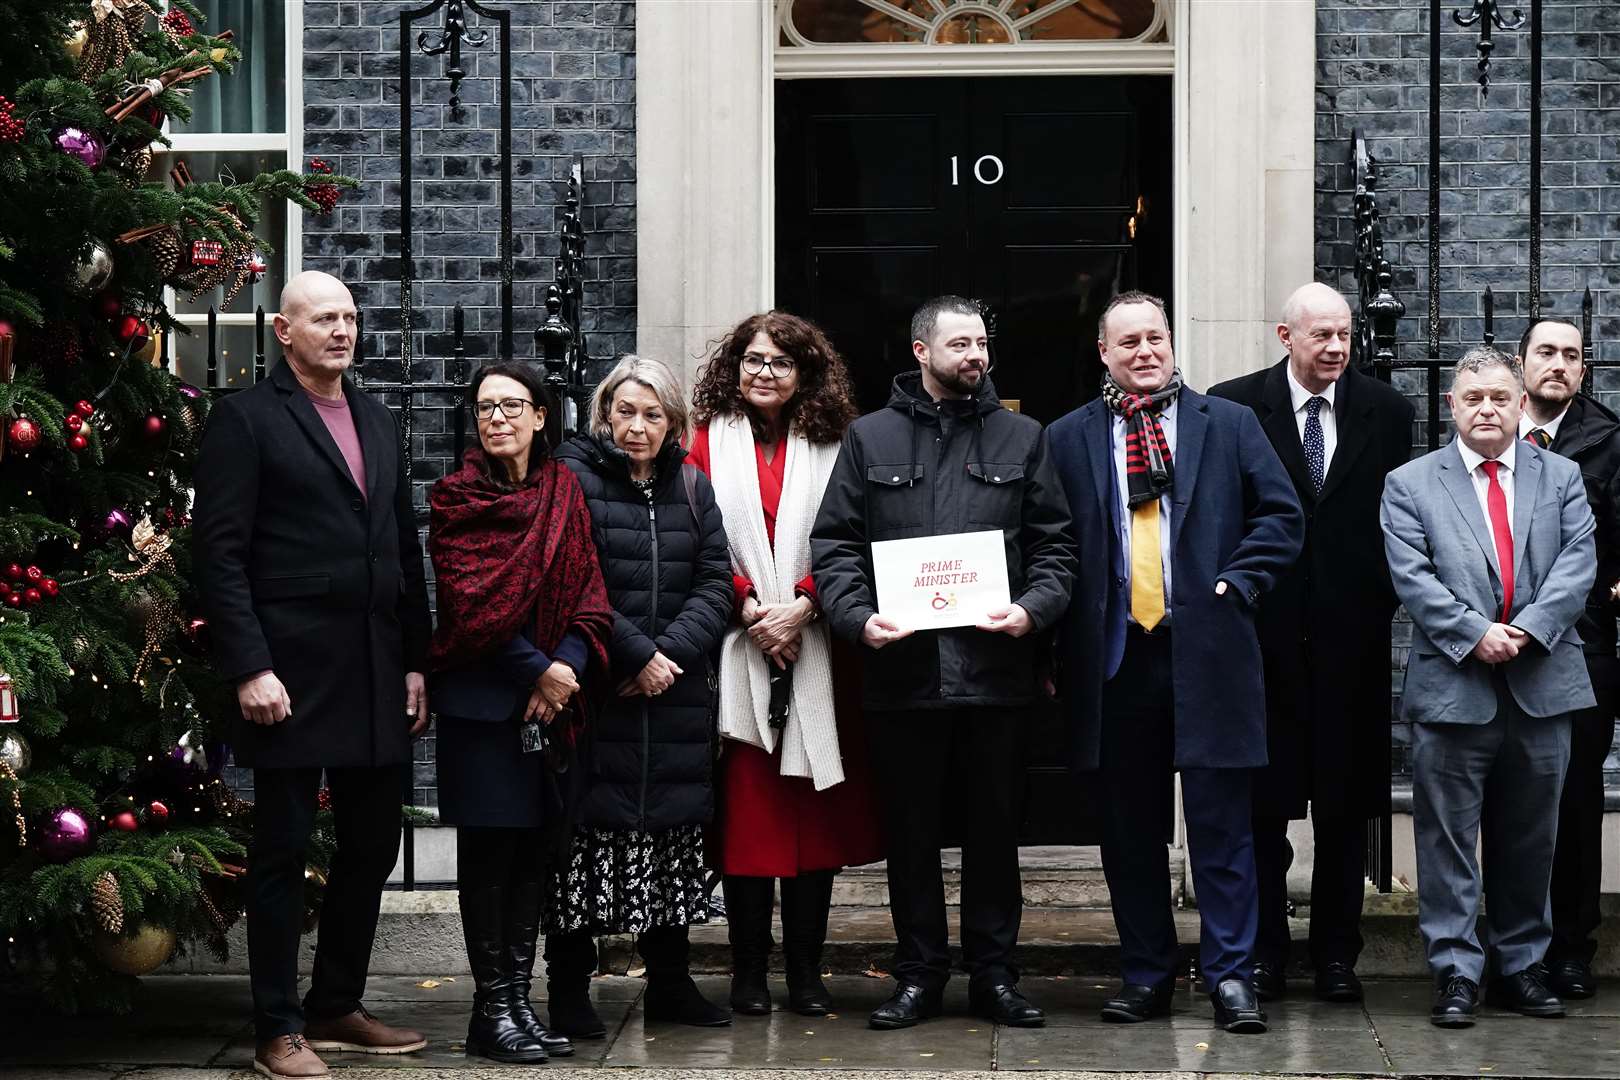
{"points": [[1234, 517]]}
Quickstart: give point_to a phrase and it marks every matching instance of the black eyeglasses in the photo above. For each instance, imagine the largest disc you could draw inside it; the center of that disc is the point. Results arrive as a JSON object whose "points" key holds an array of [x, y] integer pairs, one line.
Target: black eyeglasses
{"points": [[511, 408], [781, 367]]}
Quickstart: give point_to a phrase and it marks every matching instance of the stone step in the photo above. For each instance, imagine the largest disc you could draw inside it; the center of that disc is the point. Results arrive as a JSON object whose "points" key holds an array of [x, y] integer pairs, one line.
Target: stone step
{"points": [[1070, 877]]}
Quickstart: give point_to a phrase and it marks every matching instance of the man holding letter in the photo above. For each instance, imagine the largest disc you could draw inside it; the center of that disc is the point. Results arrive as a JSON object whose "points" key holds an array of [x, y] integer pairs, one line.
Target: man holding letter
{"points": [[947, 705], [1187, 518]]}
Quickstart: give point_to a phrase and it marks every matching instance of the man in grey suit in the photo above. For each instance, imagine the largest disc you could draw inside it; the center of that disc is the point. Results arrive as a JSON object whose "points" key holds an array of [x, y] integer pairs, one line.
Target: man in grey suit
{"points": [[1490, 549]]}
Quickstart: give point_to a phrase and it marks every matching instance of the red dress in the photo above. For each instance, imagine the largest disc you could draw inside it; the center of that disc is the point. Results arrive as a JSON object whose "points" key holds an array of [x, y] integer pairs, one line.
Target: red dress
{"points": [[770, 825]]}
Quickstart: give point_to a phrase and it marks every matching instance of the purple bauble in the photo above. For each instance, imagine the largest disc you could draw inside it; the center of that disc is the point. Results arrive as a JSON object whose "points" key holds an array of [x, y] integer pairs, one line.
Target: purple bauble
{"points": [[194, 758], [67, 835], [116, 523], [189, 392], [81, 144]]}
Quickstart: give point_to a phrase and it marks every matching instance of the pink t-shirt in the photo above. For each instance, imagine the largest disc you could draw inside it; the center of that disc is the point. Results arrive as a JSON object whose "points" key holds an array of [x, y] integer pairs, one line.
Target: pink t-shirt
{"points": [[339, 421]]}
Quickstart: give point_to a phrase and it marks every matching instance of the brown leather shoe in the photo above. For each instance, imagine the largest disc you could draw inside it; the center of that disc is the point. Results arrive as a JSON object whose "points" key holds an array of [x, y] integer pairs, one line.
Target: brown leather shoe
{"points": [[361, 1033], [288, 1057]]}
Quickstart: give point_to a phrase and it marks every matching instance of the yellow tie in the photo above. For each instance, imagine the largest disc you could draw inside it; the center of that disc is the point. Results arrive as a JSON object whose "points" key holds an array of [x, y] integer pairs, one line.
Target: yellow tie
{"points": [[1147, 573]]}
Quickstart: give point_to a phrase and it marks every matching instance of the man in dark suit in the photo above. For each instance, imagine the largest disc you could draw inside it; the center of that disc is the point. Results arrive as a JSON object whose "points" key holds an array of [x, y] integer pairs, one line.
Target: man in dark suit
{"points": [[1324, 635], [1558, 417], [1186, 519], [1489, 541], [311, 575]]}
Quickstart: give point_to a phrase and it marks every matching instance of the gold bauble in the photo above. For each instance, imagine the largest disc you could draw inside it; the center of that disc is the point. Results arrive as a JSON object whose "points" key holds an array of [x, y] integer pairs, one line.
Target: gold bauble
{"points": [[75, 42], [140, 952], [152, 351]]}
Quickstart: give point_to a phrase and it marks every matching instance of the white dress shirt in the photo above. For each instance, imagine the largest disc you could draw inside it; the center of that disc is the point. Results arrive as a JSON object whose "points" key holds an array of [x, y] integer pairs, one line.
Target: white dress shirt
{"points": [[1482, 482], [1299, 397], [1526, 425], [1167, 421]]}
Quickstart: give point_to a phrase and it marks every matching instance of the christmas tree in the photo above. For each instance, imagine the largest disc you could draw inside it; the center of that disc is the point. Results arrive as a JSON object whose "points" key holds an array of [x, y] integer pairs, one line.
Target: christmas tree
{"points": [[118, 841]]}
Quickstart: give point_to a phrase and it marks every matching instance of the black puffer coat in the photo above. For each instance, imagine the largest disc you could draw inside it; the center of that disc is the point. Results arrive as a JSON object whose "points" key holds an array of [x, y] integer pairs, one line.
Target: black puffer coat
{"points": [[1589, 435], [669, 580]]}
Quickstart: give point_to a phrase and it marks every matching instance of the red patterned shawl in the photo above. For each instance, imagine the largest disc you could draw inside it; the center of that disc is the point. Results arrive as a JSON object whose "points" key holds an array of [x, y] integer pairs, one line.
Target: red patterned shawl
{"points": [[505, 557]]}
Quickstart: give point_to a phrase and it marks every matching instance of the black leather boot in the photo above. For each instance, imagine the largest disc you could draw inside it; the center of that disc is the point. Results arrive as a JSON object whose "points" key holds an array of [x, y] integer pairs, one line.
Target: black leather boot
{"points": [[522, 931], [671, 993], [493, 1032], [748, 923], [570, 963], [806, 900]]}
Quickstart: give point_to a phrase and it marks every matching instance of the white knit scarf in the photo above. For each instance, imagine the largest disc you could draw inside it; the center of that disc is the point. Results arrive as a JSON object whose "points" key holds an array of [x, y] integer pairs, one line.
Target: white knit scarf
{"points": [[810, 738]]}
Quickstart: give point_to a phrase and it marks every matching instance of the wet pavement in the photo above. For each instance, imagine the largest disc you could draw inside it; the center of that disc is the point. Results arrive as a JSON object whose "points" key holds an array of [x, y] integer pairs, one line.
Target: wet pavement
{"points": [[197, 1027]]}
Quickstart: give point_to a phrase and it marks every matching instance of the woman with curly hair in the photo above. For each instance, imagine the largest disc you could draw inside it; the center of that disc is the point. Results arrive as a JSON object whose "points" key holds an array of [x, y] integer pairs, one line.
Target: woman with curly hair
{"points": [[795, 799]]}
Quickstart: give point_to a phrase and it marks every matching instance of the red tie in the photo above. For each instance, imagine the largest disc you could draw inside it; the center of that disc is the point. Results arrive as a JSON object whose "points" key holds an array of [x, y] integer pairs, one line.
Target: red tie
{"points": [[1496, 499]]}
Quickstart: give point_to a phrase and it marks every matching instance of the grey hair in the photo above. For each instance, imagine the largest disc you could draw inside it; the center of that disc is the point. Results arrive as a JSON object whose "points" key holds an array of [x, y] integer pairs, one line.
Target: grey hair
{"points": [[656, 376], [1481, 357]]}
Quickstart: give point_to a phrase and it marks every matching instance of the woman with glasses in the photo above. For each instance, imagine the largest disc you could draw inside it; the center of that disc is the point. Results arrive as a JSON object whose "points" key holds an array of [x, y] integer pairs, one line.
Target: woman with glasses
{"points": [[524, 624], [795, 796], [636, 860]]}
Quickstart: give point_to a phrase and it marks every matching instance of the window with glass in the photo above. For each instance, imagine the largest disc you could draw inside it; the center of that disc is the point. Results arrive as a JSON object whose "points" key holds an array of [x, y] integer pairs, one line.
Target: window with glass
{"points": [[238, 128], [968, 22]]}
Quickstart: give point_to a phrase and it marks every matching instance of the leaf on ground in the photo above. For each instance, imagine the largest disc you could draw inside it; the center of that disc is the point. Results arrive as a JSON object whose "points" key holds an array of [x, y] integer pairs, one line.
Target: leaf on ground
{"points": [[429, 984], [875, 973]]}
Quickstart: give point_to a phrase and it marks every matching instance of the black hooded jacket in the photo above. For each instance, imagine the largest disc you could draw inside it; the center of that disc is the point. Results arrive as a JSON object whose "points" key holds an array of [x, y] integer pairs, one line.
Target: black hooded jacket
{"points": [[1590, 436], [668, 577], [921, 467]]}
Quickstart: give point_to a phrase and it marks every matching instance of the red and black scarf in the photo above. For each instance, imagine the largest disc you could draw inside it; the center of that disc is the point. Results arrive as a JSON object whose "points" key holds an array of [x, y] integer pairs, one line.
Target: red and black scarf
{"points": [[1149, 471], [514, 559]]}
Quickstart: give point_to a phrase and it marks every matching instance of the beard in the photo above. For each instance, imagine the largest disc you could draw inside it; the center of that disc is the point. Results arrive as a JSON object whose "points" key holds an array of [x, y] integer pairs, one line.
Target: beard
{"points": [[958, 380], [1550, 395]]}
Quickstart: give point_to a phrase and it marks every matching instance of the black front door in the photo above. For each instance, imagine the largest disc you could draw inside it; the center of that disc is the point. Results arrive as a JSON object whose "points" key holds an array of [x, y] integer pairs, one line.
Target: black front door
{"points": [[1041, 196]]}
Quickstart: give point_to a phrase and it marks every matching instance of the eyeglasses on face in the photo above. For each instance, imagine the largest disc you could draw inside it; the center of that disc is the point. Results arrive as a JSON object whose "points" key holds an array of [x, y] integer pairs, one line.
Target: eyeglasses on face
{"points": [[781, 367], [511, 408]]}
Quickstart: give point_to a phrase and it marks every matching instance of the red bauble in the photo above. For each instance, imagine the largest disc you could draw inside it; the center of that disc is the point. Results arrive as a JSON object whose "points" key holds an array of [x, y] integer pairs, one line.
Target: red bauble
{"points": [[157, 814], [32, 597], [73, 421], [24, 434], [132, 331], [197, 630], [124, 821], [6, 329], [155, 426], [109, 304], [49, 587], [14, 599], [78, 442], [84, 409], [34, 574], [14, 572]]}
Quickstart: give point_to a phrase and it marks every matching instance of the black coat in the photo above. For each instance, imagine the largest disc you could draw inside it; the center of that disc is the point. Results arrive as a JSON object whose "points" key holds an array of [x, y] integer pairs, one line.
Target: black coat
{"points": [[303, 576], [1590, 436], [926, 468], [1325, 627], [1233, 518], [668, 577]]}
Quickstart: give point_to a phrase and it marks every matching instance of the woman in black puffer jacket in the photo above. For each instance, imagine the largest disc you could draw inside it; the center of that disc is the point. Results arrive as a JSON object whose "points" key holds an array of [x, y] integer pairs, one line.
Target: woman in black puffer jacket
{"points": [[645, 788]]}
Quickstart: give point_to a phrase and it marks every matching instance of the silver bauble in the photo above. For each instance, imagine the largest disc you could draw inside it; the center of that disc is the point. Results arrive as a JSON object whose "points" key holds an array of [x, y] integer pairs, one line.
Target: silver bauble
{"points": [[15, 751], [91, 273]]}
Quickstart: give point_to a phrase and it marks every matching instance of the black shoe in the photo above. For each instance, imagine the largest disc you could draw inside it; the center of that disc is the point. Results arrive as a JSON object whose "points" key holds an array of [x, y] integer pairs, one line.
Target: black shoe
{"points": [[1133, 1003], [1455, 1003], [748, 925], [1237, 1009], [493, 1031], [1572, 980], [1268, 981], [570, 962], [806, 900], [908, 1004], [522, 931], [1005, 1005], [1526, 992], [677, 1000], [1336, 981]]}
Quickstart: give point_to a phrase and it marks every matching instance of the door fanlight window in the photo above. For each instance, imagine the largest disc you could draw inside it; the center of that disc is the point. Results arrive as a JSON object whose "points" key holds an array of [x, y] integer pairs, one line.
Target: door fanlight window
{"points": [[967, 22]]}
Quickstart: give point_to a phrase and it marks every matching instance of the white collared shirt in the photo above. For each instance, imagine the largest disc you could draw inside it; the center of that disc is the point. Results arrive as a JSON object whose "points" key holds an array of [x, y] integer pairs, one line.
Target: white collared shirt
{"points": [[1482, 482], [1300, 397], [1167, 421], [1526, 425]]}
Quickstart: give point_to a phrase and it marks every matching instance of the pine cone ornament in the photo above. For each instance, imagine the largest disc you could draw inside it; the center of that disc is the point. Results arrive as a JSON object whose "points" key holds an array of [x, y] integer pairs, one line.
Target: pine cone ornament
{"points": [[215, 916], [113, 28], [107, 903], [137, 164], [165, 250]]}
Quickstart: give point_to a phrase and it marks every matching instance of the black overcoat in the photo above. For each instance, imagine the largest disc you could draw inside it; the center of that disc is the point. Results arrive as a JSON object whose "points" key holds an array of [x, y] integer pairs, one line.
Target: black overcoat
{"points": [[1325, 627], [303, 575], [649, 761]]}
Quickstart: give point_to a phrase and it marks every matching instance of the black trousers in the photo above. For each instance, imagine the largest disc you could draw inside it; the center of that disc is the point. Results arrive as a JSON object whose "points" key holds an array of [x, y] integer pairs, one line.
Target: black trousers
{"points": [[1137, 766], [1577, 859], [974, 757], [366, 812], [1338, 882]]}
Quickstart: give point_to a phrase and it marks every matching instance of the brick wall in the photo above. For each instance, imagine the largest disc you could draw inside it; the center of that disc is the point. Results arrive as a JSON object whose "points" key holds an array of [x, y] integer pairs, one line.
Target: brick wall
{"points": [[1373, 75], [573, 96]]}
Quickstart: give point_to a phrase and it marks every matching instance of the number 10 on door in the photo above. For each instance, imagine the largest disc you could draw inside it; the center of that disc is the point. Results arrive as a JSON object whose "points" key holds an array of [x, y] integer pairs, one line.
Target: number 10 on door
{"points": [[979, 170]]}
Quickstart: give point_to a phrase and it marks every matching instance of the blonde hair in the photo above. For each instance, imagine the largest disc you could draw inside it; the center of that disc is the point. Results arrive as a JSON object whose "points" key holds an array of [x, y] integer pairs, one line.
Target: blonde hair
{"points": [[656, 376]]}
